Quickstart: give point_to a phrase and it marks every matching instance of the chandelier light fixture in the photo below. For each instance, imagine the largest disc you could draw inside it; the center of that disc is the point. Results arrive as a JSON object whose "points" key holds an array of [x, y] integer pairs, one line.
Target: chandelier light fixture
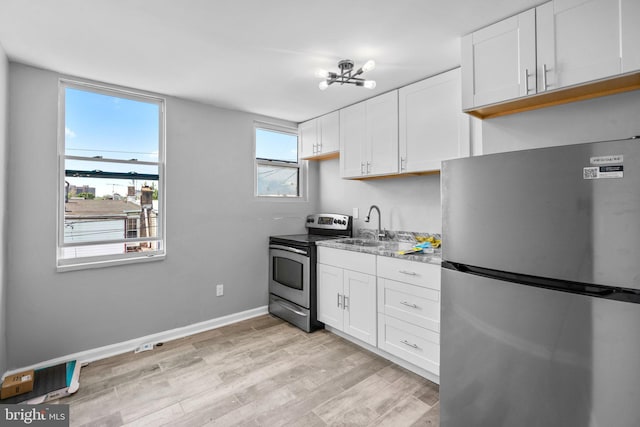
{"points": [[347, 75]]}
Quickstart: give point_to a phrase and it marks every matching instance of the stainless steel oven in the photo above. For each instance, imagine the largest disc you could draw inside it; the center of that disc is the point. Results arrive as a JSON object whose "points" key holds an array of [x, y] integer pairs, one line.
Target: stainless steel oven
{"points": [[289, 273], [292, 269]]}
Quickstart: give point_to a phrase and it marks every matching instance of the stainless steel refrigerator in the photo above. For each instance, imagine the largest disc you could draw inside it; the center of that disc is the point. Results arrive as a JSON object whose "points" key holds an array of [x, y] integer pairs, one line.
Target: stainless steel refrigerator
{"points": [[541, 288]]}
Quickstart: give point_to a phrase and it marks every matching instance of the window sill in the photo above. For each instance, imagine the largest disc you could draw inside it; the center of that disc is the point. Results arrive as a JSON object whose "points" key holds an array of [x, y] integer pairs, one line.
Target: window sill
{"points": [[110, 263], [281, 199]]}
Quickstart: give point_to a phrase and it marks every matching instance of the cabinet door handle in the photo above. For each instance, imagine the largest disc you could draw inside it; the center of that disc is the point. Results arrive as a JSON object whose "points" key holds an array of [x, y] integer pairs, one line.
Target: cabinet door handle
{"points": [[408, 304], [410, 273], [361, 168], [402, 163], [339, 301], [368, 167], [346, 302], [544, 77], [526, 81], [319, 148], [405, 342]]}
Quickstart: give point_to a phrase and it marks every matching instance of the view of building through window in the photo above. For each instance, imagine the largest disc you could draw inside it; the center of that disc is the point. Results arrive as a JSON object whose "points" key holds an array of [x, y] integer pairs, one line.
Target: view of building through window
{"points": [[112, 175], [277, 168]]}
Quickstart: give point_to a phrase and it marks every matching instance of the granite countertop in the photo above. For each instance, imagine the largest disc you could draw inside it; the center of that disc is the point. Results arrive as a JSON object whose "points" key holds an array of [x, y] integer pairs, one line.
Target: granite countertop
{"points": [[389, 247]]}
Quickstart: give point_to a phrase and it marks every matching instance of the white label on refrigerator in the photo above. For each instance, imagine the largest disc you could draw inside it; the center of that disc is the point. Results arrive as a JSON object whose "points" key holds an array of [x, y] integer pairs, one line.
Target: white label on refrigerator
{"points": [[599, 172], [607, 160]]}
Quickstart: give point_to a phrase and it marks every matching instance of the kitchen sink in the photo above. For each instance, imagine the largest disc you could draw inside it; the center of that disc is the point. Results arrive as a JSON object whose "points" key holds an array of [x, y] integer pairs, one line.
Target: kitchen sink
{"points": [[360, 242]]}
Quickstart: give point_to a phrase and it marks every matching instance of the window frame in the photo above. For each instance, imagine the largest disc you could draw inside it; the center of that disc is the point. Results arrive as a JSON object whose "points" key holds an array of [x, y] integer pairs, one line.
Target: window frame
{"points": [[300, 165], [69, 264]]}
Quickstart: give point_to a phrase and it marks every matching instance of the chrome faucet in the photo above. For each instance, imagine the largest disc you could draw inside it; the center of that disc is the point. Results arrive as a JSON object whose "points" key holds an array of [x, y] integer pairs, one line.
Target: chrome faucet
{"points": [[379, 233]]}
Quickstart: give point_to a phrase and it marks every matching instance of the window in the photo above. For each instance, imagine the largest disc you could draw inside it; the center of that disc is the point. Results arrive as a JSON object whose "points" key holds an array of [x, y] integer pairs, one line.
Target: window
{"points": [[111, 157], [277, 168]]}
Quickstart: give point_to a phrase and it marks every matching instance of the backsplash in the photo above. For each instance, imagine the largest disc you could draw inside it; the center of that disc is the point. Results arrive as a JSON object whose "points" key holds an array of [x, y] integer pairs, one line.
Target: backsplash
{"points": [[395, 235]]}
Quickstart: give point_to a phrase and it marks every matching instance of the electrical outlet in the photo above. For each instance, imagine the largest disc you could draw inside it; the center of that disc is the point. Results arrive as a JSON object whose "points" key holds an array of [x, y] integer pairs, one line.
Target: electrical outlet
{"points": [[144, 347], [356, 213], [219, 290]]}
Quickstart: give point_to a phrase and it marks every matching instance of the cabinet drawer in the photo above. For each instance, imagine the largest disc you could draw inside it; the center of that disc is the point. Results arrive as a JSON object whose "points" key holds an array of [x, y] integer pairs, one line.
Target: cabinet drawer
{"points": [[415, 273], [410, 303], [409, 342], [355, 261]]}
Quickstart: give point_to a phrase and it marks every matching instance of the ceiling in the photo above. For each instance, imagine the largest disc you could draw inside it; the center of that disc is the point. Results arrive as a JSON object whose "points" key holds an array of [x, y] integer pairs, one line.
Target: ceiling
{"points": [[258, 56]]}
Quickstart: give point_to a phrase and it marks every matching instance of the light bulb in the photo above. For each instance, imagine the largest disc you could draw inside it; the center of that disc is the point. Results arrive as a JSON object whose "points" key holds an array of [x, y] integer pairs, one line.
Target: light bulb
{"points": [[322, 74], [368, 66], [323, 85], [370, 84]]}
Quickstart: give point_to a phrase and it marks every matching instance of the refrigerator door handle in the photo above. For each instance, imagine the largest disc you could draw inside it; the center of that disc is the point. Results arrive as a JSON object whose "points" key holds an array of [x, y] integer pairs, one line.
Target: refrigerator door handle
{"points": [[587, 289]]}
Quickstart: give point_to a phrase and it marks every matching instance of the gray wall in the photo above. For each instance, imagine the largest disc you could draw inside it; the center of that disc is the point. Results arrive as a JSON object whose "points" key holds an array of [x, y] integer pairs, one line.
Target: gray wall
{"points": [[216, 232], [4, 73], [410, 204], [609, 117]]}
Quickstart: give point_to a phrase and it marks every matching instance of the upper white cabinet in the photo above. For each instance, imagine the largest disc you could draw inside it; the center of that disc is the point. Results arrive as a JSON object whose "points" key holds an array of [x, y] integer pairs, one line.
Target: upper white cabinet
{"points": [[577, 41], [320, 137], [381, 148], [630, 35], [432, 126], [499, 61], [369, 137], [352, 140], [308, 136], [561, 51]]}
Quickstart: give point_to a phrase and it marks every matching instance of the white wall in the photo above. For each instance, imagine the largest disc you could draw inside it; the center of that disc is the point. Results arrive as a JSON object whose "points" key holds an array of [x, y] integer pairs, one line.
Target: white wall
{"points": [[610, 117], [413, 203], [4, 73], [216, 233], [409, 204]]}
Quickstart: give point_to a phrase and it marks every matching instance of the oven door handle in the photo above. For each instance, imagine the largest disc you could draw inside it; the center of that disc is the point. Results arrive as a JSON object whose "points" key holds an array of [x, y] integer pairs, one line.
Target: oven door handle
{"points": [[288, 249], [286, 306]]}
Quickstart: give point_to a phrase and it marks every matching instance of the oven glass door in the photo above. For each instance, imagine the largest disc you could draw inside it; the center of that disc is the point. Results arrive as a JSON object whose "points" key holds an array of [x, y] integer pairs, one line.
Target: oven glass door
{"points": [[289, 275]]}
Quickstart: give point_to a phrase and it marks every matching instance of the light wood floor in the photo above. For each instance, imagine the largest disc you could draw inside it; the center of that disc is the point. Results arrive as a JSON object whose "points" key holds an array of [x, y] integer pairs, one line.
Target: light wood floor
{"points": [[259, 372]]}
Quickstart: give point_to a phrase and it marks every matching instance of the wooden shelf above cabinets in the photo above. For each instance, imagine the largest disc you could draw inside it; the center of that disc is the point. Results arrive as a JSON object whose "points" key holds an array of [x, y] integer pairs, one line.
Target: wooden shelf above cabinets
{"points": [[326, 156], [582, 92], [395, 175], [619, 84]]}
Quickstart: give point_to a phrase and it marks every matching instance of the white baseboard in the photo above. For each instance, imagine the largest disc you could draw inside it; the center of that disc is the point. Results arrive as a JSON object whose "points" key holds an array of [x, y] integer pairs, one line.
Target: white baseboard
{"points": [[400, 362], [130, 345]]}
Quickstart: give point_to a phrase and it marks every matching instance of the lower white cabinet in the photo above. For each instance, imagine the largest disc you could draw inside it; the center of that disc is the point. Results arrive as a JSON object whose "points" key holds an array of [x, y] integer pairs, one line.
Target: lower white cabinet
{"points": [[409, 311], [347, 298], [330, 290], [390, 303], [359, 302], [412, 343], [410, 303]]}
